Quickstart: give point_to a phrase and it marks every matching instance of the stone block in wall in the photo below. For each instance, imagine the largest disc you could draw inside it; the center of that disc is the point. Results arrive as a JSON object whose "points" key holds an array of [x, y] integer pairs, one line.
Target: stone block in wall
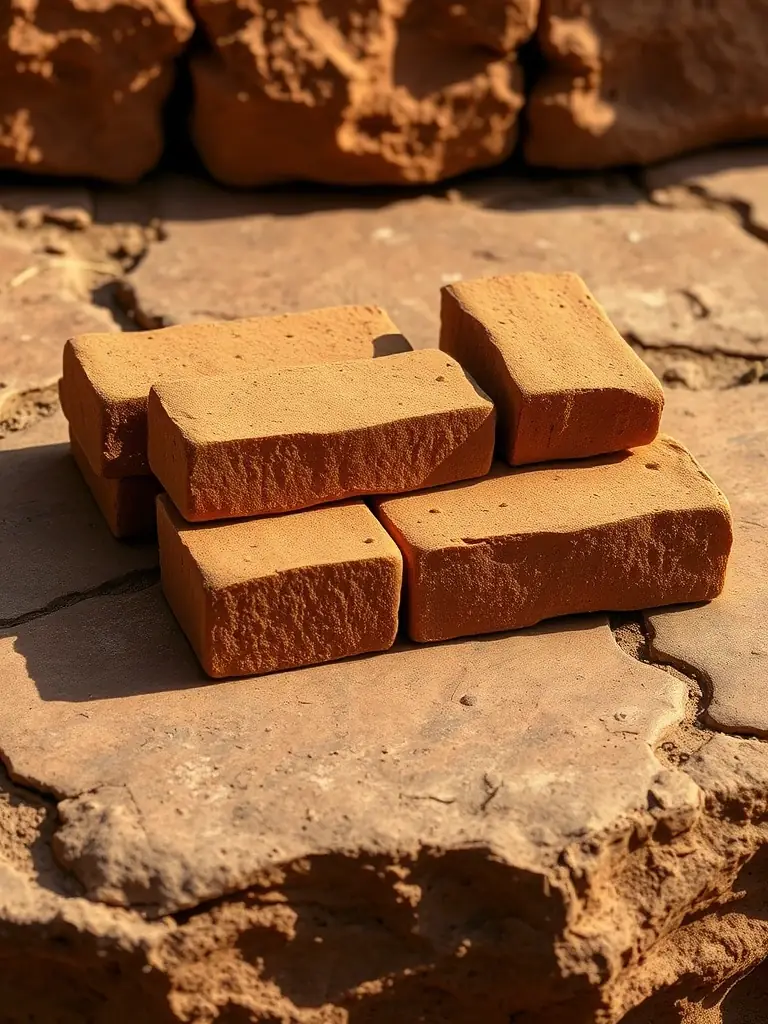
{"points": [[83, 82], [357, 91], [638, 81]]}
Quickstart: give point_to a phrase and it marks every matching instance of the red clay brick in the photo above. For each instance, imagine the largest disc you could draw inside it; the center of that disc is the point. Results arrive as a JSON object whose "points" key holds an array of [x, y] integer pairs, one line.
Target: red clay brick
{"points": [[565, 383], [128, 505], [618, 532], [107, 377], [262, 595], [279, 440]]}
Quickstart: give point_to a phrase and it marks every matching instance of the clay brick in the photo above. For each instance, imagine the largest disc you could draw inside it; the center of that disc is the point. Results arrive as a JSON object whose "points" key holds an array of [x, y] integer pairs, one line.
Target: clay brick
{"points": [[275, 593], [107, 377], [618, 532], [128, 505], [565, 383], [280, 440]]}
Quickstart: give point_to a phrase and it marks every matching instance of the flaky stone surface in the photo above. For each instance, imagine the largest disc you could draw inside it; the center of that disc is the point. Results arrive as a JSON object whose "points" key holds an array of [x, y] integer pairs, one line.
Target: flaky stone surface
{"points": [[106, 380], [82, 84], [597, 105], [377, 91], [565, 383], [622, 532], [279, 592], [287, 439]]}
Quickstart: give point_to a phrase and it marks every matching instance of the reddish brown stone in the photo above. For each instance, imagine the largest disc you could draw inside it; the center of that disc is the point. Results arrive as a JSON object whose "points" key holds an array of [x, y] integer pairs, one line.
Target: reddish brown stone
{"points": [[633, 83], [82, 85], [620, 532], [128, 505], [370, 91], [280, 440], [107, 378], [283, 591], [565, 382]]}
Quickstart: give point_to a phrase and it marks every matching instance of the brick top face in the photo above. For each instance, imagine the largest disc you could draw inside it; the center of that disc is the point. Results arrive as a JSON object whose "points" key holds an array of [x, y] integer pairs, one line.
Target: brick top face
{"points": [[556, 498], [237, 552], [122, 367], [320, 399], [553, 335]]}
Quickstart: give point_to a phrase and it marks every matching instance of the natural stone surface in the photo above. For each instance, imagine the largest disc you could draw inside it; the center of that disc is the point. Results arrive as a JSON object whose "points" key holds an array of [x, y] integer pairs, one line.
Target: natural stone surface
{"points": [[55, 544], [725, 642], [687, 285], [82, 84], [597, 105], [374, 91], [39, 307], [621, 839], [734, 181]]}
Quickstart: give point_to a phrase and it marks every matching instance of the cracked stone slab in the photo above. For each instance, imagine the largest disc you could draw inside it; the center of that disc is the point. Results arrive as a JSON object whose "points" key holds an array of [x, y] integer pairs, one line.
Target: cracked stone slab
{"points": [[735, 179], [725, 641], [668, 278], [53, 538], [183, 790]]}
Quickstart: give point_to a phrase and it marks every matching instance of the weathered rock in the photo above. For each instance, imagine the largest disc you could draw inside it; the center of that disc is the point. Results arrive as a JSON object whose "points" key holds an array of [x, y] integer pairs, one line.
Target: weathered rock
{"points": [[609, 900], [598, 104], [82, 84], [55, 545], [724, 643], [732, 181], [373, 91], [40, 305], [679, 283]]}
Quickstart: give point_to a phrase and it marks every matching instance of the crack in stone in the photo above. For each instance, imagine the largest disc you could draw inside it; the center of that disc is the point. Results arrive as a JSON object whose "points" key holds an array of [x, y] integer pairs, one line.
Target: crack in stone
{"points": [[634, 635], [130, 582], [735, 209]]}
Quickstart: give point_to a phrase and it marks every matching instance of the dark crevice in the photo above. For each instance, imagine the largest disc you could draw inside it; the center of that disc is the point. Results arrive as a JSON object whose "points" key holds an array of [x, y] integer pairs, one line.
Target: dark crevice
{"points": [[131, 582], [635, 636], [738, 208]]}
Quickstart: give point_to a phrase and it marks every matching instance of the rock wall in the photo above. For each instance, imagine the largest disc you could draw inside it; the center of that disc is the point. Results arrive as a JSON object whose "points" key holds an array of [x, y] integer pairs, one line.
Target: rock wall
{"points": [[376, 91], [83, 82], [640, 81]]}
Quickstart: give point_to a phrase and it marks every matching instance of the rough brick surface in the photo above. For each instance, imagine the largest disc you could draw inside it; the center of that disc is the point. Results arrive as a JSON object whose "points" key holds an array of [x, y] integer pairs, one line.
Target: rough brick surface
{"points": [[107, 378], [279, 440], [566, 384], [276, 593], [620, 532], [637, 82], [128, 505], [82, 85], [366, 91]]}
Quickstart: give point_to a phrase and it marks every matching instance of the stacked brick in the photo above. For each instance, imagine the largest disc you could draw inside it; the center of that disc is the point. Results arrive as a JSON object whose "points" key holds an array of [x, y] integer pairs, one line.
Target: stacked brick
{"points": [[308, 490]]}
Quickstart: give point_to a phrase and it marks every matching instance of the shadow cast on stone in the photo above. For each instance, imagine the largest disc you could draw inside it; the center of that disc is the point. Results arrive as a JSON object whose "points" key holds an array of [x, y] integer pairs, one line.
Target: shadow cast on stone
{"points": [[56, 543], [475, 942], [124, 645]]}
